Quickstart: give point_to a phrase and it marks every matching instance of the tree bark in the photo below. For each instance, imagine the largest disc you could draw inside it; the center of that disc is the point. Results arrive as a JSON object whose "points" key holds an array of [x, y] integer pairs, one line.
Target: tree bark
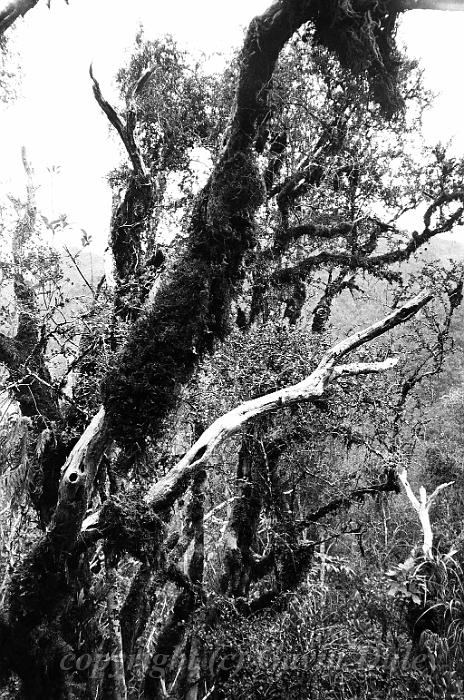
{"points": [[12, 10], [241, 529], [422, 507], [42, 584], [118, 678]]}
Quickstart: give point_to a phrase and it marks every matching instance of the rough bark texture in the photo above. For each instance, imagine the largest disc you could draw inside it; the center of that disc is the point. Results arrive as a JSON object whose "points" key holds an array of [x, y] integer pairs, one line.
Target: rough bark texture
{"points": [[43, 583], [118, 676], [130, 224], [240, 535], [12, 10], [136, 608], [192, 307], [172, 635], [191, 312]]}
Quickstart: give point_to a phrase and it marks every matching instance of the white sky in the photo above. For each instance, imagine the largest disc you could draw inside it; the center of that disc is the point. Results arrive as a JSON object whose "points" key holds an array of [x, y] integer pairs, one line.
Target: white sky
{"points": [[60, 124]]}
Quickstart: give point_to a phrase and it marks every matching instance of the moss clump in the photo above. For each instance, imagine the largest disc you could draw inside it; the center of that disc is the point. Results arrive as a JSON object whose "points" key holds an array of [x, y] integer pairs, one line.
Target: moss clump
{"points": [[362, 35], [131, 526], [237, 190], [192, 308], [158, 356], [129, 224]]}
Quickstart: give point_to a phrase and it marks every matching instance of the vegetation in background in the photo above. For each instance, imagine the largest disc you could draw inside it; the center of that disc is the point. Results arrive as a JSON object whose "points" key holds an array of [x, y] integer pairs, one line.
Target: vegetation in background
{"points": [[138, 562]]}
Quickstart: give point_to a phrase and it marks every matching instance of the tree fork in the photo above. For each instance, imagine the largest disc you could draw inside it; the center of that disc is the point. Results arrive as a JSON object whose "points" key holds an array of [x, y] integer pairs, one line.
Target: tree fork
{"points": [[192, 308], [172, 636], [264, 41]]}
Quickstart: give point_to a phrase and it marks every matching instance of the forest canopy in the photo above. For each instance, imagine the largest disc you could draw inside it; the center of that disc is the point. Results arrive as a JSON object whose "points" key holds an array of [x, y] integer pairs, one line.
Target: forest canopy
{"points": [[232, 465]]}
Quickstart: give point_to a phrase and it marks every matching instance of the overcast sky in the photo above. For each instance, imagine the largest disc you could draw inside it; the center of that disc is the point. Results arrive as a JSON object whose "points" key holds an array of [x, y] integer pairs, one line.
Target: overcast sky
{"points": [[61, 126]]}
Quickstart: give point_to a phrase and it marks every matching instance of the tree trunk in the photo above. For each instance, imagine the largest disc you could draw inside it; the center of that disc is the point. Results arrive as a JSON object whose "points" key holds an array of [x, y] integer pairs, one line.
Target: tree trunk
{"points": [[240, 534], [118, 678]]}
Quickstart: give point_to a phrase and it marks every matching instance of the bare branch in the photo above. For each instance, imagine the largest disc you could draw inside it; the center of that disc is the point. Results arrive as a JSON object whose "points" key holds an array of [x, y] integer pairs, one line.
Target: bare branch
{"points": [[356, 496], [166, 490], [12, 11], [422, 507], [400, 315], [73, 258], [357, 368], [125, 130]]}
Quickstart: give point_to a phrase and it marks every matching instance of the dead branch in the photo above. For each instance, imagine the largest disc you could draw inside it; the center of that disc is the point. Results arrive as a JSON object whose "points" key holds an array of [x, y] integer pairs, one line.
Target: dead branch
{"points": [[125, 129], [166, 490], [422, 507], [12, 11]]}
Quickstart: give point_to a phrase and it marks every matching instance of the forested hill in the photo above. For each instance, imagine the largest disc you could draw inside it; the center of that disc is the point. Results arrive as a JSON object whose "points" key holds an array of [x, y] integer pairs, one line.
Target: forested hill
{"points": [[352, 309]]}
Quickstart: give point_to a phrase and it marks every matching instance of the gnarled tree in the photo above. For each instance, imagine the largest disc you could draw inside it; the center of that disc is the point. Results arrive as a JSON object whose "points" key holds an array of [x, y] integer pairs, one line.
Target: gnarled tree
{"points": [[190, 315]]}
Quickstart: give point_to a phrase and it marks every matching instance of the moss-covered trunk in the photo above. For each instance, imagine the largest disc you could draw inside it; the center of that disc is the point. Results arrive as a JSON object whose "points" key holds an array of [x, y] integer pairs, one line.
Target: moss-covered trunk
{"points": [[240, 536], [130, 225], [190, 313], [192, 307]]}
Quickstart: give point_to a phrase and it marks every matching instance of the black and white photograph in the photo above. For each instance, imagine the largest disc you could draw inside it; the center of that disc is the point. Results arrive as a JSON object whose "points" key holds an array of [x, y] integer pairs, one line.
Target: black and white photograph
{"points": [[231, 350]]}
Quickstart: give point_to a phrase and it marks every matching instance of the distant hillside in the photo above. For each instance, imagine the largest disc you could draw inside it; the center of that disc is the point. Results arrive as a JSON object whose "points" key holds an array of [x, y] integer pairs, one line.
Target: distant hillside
{"points": [[82, 268], [351, 312]]}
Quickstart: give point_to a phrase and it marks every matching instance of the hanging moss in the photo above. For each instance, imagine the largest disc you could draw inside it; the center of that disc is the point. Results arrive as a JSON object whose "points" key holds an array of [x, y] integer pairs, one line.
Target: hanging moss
{"points": [[191, 309], [362, 35]]}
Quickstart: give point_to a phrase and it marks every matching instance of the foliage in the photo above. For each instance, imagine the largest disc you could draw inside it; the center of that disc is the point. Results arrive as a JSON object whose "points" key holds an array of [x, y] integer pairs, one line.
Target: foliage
{"points": [[288, 571], [363, 41]]}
